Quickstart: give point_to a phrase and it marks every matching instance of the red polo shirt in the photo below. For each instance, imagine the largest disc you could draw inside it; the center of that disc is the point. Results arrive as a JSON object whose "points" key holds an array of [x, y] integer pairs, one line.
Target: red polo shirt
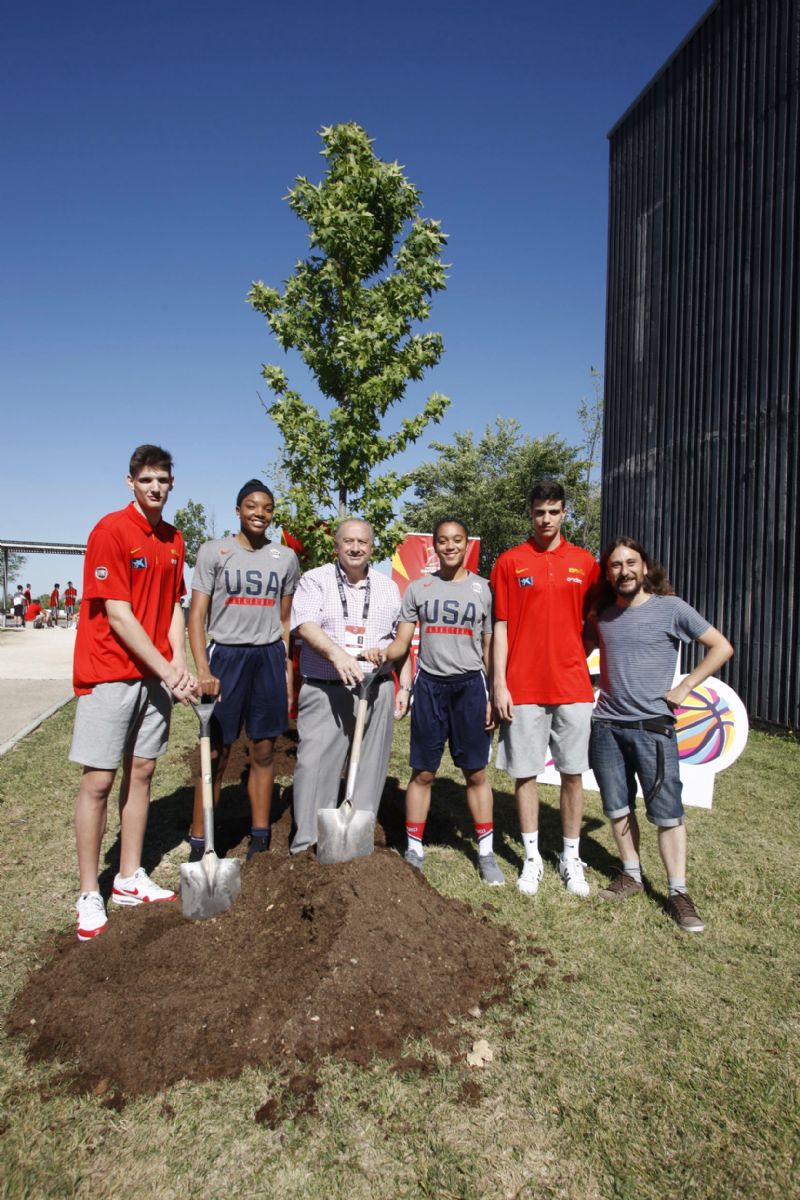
{"points": [[541, 594], [126, 559]]}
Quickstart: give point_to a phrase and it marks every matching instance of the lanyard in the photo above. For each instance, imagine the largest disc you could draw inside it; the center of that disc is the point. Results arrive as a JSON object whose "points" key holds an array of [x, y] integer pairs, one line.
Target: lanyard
{"points": [[343, 596]]}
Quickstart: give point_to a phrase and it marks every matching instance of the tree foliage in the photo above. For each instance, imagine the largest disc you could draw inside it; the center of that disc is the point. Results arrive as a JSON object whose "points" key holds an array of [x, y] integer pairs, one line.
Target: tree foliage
{"points": [[487, 483], [585, 509], [350, 309], [191, 521]]}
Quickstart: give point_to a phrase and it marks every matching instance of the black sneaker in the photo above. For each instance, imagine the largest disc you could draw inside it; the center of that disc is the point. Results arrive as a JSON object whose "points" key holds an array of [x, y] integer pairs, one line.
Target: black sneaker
{"points": [[258, 845], [196, 851], [683, 912]]}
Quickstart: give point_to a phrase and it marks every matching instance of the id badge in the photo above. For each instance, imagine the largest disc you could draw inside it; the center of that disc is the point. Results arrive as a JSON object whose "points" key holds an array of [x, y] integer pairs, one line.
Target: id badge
{"points": [[354, 639]]}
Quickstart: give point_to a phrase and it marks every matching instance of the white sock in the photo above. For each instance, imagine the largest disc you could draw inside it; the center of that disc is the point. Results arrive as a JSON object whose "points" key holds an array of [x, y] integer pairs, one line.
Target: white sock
{"points": [[634, 869], [531, 843], [570, 848]]}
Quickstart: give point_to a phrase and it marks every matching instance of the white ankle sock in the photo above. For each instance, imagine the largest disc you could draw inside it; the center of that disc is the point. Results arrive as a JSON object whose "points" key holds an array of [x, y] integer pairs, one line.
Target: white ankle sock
{"points": [[531, 843], [570, 848]]}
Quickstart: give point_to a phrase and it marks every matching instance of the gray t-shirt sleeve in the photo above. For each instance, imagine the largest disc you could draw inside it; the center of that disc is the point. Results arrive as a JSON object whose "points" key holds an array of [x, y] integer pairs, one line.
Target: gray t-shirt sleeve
{"points": [[204, 574]]}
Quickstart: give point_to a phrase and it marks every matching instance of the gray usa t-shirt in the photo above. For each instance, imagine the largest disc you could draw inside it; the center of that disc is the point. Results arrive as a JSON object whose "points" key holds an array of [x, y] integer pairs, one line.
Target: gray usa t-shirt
{"points": [[638, 655], [453, 617], [245, 587]]}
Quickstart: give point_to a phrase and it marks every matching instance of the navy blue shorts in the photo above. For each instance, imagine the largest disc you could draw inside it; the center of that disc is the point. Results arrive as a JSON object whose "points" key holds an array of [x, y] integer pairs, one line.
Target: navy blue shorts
{"points": [[452, 709], [252, 692]]}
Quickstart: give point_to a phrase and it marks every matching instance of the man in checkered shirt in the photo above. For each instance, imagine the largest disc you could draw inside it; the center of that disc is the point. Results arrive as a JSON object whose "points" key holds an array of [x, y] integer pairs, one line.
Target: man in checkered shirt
{"points": [[338, 611]]}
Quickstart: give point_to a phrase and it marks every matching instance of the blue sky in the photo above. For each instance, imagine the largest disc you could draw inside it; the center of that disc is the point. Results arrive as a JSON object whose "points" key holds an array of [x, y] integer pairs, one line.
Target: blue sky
{"points": [[147, 150]]}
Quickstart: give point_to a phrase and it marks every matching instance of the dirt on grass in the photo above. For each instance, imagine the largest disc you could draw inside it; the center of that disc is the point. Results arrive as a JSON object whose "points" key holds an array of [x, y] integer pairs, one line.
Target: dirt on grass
{"points": [[347, 960]]}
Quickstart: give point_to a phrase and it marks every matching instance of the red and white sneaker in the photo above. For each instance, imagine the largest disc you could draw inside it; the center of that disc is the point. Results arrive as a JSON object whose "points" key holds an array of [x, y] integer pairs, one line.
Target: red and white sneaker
{"points": [[92, 918], [138, 889]]}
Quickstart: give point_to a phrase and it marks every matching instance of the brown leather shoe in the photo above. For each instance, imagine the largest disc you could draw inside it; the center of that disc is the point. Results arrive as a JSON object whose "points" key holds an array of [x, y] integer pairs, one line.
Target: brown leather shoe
{"points": [[683, 912], [621, 888]]}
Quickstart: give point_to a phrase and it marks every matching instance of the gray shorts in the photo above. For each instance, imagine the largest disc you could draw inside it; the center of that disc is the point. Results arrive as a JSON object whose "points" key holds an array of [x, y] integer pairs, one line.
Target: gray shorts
{"points": [[522, 749], [119, 719]]}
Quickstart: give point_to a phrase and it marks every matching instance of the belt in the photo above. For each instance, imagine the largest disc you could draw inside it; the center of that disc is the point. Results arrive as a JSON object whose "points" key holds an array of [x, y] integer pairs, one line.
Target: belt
{"points": [[665, 725], [334, 682]]}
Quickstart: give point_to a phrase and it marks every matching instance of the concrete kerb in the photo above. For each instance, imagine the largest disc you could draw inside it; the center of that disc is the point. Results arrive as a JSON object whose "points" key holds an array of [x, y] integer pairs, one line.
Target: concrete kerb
{"points": [[34, 724], [35, 679]]}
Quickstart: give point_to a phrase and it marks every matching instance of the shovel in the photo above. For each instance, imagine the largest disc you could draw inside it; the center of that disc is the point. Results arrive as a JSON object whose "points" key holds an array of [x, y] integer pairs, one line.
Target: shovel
{"points": [[344, 833], [210, 886]]}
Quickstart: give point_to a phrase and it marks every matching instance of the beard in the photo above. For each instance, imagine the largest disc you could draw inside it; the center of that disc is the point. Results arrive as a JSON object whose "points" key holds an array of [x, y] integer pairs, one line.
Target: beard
{"points": [[622, 588]]}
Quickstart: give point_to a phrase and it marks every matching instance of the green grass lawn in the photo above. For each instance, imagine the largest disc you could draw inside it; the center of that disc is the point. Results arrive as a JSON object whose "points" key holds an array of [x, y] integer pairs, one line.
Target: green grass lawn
{"points": [[630, 1061]]}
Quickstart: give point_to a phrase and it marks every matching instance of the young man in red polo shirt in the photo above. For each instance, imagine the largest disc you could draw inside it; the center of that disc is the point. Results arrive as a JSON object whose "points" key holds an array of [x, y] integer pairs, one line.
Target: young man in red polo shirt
{"points": [[70, 600], [130, 661], [55, 601], [541, 687]]}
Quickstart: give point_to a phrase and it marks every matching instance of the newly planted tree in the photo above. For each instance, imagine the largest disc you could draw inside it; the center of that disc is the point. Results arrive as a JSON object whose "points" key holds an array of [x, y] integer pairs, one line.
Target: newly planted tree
{"points": [[350, 309]]}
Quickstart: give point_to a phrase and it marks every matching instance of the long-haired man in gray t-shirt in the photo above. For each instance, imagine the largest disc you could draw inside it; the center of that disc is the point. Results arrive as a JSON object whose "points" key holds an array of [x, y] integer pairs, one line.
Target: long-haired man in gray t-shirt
{"points": [[638, 623]]}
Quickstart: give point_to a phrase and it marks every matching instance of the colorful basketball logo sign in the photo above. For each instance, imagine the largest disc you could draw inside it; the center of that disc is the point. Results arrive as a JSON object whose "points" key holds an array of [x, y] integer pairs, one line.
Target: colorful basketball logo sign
{"points": [[712, 729], [706, 727]]}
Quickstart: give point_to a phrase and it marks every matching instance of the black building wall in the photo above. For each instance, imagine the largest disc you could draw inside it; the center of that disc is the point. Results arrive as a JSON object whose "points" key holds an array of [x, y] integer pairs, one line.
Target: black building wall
{"points": [[701, 451]]}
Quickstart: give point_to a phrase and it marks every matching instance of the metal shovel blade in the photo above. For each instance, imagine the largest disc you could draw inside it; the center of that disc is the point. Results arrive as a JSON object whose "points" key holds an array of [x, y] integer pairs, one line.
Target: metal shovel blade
{"points": [[344, 833], [210, 886]]}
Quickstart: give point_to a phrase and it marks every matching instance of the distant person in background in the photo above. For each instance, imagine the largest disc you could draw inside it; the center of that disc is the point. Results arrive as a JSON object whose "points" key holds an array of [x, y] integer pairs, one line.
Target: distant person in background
{"points": [[19, 607], [129, 665], [55, 600], [70, 600], [35, 615], [28, 594], [639, 623]]}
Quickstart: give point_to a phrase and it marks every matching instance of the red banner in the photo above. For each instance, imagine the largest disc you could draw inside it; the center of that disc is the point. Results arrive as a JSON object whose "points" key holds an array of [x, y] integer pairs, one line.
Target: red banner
{"points": [[415, 556]]}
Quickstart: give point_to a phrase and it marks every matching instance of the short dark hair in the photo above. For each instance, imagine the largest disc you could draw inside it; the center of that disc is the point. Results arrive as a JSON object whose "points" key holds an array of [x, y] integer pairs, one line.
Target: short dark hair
{"points": [[149, 456], [449, 521], [547, 489], [247, 489]]}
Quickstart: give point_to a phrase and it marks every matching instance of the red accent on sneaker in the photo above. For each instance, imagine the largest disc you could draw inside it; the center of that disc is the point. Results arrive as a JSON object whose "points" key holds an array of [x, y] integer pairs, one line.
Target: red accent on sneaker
{"points": [[85, 934]]}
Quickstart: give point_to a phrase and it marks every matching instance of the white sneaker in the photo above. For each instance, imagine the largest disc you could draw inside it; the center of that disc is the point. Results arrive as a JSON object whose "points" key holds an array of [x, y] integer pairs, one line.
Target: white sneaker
{"points": [[92, 917], [530, 876], [138, 889], [571, 871]]}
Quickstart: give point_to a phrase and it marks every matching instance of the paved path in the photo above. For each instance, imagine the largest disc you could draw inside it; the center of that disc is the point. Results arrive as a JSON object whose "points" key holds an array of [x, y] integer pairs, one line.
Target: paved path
{"points": [[35, 678]]}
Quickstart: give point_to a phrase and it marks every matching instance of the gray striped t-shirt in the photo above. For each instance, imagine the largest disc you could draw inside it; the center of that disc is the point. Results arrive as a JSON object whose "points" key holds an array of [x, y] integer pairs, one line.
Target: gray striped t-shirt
{"points": [[638, 655]]}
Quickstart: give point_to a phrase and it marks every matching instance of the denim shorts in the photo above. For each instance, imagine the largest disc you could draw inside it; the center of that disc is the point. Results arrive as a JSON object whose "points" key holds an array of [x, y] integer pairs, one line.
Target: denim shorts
{"points": [[618, 755]]}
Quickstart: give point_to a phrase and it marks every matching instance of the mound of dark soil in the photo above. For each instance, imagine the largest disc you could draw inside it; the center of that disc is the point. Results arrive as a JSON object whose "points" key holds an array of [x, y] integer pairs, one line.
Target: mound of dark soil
{"points": [[345, 960]]}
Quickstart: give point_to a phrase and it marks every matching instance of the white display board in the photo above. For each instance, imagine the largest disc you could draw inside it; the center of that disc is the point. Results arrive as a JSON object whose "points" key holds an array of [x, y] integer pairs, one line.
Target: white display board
{"points": [[712, 730]]}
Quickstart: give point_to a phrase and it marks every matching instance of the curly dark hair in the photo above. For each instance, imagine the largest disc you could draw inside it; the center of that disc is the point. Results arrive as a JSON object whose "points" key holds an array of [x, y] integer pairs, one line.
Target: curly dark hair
{"points": [[655, 581]]}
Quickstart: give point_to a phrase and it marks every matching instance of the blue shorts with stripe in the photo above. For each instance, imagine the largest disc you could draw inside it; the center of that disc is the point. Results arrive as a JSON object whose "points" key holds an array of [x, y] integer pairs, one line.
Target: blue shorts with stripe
{"points": [[252, 692], [449, 708]]}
